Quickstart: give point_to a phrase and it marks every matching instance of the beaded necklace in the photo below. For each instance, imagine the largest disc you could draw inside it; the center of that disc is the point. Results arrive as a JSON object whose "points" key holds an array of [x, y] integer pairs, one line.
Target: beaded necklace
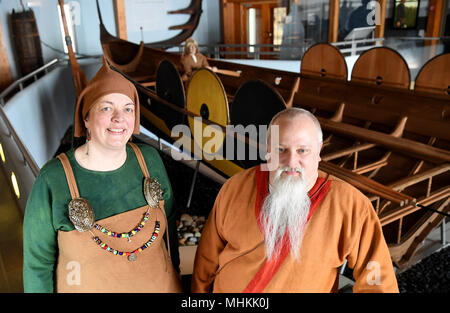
{"points": [[81, 215], [127, 235], [130, 255]]}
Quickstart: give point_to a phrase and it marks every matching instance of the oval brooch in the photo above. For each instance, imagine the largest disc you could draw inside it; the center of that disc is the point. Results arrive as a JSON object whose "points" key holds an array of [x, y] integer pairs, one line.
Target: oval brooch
{"points": [[152, 192], [81, 214]]}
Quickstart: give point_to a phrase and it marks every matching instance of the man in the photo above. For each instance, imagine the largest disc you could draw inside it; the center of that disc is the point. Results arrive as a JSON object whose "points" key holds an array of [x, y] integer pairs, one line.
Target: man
{"points": [[291, 228], [358, 17], [400, 20]]}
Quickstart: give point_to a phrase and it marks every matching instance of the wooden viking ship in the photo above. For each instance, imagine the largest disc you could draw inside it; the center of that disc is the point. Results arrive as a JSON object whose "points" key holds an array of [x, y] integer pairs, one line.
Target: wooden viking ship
{"points": [[390, 141]]}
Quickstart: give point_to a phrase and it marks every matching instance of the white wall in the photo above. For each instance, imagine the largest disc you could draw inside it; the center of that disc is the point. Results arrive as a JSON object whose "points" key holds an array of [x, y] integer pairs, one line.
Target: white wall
{"points": [[152, 16], [88, 31]]}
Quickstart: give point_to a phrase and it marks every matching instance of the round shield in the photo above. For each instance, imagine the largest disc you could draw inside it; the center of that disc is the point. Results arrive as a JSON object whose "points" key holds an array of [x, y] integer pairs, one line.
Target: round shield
{"points": [[324, 60], [254, 105], [206, 98], [382, 66], [169, 86]]}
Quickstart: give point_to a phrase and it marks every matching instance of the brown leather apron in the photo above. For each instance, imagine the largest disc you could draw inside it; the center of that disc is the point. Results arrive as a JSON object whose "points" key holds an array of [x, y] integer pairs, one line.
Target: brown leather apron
{"points": [[83, 266]]}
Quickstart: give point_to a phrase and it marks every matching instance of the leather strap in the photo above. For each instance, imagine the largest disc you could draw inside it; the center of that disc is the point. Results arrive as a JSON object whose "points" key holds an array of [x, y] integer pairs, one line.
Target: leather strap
{"points": [[140, 159], [69, 175], [144, 169]]}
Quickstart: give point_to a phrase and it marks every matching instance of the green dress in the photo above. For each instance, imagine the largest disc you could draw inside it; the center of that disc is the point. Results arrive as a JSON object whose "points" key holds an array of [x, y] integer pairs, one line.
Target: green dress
{"points": [[109, 193]]}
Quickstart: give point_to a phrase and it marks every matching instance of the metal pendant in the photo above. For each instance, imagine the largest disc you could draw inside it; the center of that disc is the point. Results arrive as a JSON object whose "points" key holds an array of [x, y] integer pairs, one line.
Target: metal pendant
{"points": [[132, 257], [152, 192], [81, 214]]}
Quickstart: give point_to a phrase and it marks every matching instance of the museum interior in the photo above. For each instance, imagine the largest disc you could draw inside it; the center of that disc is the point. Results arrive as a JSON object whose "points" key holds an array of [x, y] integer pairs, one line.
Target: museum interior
{"points": [[374, 73]]}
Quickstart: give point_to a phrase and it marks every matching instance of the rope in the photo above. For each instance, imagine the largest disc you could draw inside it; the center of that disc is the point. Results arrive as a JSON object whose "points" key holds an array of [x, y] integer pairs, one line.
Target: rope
{"points": [[433, 210]]}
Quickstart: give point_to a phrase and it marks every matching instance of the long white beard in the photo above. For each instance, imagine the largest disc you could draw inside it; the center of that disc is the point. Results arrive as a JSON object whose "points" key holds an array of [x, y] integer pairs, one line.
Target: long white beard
{"points": [[285, 209]]}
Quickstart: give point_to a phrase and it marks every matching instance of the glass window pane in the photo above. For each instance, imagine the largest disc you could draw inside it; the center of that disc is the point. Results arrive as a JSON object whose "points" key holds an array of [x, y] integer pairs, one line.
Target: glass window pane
{"points": [[356, 14], [306, 23], [416, 12], [446, 31]]}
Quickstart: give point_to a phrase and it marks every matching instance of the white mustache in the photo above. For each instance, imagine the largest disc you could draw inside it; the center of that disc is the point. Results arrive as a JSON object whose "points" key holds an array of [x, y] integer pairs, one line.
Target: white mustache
{"points": [[282, 169], [291, 169]]}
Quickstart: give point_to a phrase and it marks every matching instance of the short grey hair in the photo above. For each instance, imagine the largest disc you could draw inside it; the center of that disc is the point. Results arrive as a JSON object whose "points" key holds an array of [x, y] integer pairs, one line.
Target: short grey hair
{"points": [[292, 113]]}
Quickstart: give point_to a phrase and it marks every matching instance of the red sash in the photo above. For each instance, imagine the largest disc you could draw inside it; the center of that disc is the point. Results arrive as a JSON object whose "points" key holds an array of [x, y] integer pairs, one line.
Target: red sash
{"points": [[270, 268]]}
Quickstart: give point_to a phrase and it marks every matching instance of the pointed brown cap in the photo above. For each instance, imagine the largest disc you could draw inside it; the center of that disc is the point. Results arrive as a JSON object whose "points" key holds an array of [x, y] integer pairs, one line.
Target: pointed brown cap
{"points": [[105, 82]]}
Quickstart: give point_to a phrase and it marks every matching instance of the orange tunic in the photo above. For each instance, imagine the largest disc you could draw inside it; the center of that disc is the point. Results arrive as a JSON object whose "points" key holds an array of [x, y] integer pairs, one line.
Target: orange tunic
{"points": [[343, 226]]}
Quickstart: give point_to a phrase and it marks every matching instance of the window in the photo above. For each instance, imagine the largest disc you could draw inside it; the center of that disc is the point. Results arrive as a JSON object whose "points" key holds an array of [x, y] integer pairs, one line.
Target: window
{"points": [[305, 24], [279, 16], [251, 26]]}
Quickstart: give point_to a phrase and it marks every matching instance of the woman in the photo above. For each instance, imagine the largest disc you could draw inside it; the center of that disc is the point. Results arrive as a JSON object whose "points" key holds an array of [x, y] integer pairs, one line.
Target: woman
{"points": [[193, 60], [96, 216]]}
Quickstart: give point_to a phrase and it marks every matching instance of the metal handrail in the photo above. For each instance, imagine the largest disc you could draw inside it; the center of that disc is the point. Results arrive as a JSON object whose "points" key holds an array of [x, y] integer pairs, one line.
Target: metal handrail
{"points": [[21, 80], [27, 158], [218, 49], [357, 41], [231, 45]]}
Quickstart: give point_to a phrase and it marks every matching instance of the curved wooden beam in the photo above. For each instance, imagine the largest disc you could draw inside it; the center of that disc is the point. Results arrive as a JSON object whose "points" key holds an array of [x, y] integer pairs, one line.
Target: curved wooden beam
{"points": [[193, 8], [187, 30]]}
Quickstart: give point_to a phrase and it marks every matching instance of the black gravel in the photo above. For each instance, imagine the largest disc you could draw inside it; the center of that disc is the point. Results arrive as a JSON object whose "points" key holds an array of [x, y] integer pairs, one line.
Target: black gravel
{"points": [[431, 275]]}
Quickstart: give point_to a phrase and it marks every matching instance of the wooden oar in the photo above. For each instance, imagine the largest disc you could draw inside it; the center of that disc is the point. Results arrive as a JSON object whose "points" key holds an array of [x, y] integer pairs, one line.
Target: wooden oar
{"points": [[228, 72], [79, 78]]}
